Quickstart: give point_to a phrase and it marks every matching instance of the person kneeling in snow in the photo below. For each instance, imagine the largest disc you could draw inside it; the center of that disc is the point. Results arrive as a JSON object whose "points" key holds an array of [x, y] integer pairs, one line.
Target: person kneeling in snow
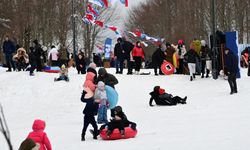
{"points": [[63, 74], [162, 98]]}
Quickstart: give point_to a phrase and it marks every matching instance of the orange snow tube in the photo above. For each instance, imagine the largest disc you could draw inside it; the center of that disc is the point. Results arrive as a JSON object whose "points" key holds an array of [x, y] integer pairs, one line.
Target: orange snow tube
{"points": [[167, 68]]}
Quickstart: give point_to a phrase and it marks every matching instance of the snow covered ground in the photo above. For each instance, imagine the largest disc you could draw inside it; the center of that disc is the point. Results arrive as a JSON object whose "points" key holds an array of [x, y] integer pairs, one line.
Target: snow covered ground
{"points": [[211, 120]]}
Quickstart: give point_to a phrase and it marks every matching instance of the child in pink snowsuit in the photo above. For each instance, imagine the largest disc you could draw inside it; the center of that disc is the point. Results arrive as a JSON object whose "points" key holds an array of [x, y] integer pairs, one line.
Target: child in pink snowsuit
{"points": [[39, 136]]}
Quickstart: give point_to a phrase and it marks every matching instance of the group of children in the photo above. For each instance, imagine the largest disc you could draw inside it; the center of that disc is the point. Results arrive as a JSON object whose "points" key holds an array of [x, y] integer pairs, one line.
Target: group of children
{"points": [[95, 97]]}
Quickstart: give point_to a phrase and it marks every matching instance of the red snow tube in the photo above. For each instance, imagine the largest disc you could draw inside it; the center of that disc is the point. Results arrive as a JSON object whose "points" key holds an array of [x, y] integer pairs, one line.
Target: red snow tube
{"points": [[167, 68], [129, 133], [52, 71]]}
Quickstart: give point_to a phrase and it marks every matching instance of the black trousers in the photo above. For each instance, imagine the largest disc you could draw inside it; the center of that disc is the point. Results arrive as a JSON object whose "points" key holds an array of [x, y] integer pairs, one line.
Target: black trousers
{"points": [[9, 62], [88, 119], [116, 124], [203, 68], [138, 62], [232, 82], [180, 69]]}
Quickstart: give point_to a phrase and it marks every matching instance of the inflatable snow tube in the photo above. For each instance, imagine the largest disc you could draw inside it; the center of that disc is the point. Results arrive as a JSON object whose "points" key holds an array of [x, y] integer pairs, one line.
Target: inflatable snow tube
{"points": [[115, 135], [112, 96], [167, 68], [51, 69]]}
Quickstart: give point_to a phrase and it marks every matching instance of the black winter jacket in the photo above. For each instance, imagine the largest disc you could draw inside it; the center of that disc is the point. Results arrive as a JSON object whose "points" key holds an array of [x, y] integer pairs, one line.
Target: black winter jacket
{"points": [[91, 108], [191, 56], [158, 57]]}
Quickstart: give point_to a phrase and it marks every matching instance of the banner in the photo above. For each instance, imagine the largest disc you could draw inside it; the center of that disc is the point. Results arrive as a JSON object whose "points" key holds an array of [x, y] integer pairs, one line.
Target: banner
{"points": [[107, 48]]}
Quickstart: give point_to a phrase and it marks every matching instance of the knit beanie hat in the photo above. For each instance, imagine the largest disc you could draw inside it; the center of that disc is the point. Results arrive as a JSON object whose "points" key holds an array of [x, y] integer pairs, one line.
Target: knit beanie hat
{"points": [[102, 71], [101, 85], [161, 91], [27, 144], [92, 65]]}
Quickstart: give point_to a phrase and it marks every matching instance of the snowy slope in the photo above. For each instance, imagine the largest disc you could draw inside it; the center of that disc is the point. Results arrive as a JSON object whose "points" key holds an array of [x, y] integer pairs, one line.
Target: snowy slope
{"points": [[212, 119]]}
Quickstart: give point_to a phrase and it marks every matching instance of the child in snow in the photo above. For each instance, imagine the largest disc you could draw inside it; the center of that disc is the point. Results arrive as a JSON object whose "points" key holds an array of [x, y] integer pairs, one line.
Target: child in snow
{"points": [[162, 98], [39, 136], [91, 107], [63, 74], [101, 98], [29, 144], [118, 121]]}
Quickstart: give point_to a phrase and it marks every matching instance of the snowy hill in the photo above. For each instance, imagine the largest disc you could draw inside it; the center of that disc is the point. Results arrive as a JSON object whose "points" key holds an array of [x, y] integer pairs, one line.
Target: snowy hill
{"points": [[211, 120]]}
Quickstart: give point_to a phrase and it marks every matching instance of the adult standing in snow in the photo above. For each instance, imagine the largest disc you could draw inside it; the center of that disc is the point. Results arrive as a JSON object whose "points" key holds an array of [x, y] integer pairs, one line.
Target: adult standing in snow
{"points": [[205, 55], [128, 47], [138, 56], [38, 55], [191, 57], [32, 60], [53, 56], [158, 57], [231, 67], [107, 78], [119, 56], [81, 64], [63, 55], [8, 50], [181, 51]]}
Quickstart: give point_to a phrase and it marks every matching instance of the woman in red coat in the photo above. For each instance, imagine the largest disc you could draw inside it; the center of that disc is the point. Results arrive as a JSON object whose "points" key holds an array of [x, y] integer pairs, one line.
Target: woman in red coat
{"points": [[138, 56], [39, 136]]}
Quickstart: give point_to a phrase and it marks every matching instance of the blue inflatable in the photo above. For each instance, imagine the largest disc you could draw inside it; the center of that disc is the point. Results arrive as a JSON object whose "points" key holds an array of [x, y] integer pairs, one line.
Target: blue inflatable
{"points": [[112, 96], [51, 69]]}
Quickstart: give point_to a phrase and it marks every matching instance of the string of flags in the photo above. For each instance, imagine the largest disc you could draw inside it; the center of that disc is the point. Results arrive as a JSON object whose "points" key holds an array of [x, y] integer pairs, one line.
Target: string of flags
{"points": [[92, 14]]}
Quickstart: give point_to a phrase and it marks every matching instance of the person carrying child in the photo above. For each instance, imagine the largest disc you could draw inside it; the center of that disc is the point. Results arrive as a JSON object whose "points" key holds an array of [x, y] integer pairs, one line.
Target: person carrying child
{"points": [[162, 98], [39, 136], [101, 98], [63, 74], [91, 107]]}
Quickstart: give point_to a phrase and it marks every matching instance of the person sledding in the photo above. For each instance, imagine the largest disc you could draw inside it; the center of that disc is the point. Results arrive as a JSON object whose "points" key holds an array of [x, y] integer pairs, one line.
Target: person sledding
{"points": [[162, 98], [63, 74], [120, 121]]}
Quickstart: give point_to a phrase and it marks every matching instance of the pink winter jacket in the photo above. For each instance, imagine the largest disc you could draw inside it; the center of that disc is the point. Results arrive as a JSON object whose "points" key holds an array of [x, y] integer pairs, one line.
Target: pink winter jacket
{"points": [[39, 136], [89, 81]]}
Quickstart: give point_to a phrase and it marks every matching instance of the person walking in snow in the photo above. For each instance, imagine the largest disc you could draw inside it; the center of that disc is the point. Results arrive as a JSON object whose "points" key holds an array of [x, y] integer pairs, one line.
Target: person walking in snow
{"points": [[191, 56], [101, 98], [231, 63], [138, 56], [39, 136], [91, 106], [162, 98]]}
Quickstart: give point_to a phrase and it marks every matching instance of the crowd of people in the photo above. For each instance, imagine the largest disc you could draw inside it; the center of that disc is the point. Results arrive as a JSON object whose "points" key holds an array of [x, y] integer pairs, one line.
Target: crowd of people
{"points": [[185, 60]]}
